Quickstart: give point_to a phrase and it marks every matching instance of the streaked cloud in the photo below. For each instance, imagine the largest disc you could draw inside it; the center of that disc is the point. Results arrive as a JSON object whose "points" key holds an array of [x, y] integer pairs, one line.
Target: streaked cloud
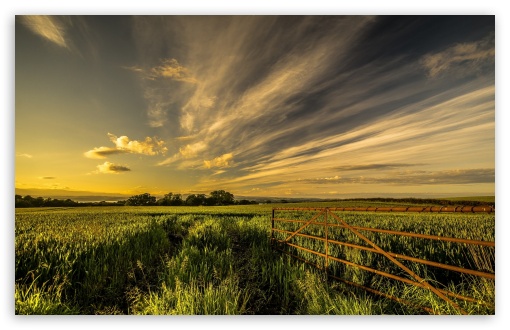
{"points": [[465, 57], [47, 177], [302, 105], [134, 68], [170, 68], [222, 161], [110, 168], [372, 167], [457, 176], [24, 155], [191, 150], [157, 80], [186, 152], [449, 132], [274, 105], [50, 28], [150, 147], [226, 103], [185, 138], [57, 186]]}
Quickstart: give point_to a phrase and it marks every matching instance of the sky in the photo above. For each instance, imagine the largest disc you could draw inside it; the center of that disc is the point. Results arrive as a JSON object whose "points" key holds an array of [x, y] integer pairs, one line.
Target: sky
{"points": [[265, 105]]}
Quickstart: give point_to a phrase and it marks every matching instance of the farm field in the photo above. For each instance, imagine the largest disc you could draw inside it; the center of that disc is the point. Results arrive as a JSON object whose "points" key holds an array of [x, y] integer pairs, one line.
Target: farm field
{"points": [[219, 260]]}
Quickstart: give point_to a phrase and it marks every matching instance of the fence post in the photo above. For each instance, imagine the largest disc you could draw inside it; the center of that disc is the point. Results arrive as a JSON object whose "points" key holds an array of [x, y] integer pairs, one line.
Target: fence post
{"points": [[272, 228], [326, 263]]}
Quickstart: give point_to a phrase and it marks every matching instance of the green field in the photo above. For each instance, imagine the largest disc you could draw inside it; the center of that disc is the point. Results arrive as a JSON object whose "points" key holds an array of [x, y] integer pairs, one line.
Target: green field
{"points": [[219, 260]]}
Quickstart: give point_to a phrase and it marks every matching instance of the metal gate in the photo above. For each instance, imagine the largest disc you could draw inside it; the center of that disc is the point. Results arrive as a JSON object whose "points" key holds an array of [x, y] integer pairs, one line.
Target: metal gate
{"points": [[285, 245]]}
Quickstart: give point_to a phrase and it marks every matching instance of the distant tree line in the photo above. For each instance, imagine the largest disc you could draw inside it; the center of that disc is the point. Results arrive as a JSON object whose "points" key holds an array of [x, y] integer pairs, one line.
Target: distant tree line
{"points": [[29, 201], [215, 198], [410, 200]]}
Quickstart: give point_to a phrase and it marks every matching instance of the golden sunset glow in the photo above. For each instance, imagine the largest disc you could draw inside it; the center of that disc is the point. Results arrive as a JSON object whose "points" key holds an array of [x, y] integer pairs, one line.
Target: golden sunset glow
{"points": [[290, 106]]}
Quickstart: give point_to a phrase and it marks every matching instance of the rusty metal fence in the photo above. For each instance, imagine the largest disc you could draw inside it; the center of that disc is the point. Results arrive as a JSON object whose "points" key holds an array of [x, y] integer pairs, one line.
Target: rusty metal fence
{"points": [[285, 245]]}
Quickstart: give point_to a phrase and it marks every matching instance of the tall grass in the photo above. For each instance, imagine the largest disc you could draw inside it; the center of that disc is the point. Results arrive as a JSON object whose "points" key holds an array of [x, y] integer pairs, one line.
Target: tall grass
{"points": [[219, 260], [202, 278], [44, 299], [88, 258]]}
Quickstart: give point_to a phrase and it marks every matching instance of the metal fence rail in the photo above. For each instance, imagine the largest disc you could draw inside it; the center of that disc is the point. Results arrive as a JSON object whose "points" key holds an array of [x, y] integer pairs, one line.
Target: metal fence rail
{"points": [[391, 255]]}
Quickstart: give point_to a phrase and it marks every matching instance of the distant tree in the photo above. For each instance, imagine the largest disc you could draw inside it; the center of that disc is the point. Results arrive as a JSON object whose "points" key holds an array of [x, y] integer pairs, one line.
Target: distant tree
{"points": [[19, 201], [39, 201], [170, 199], [196, 200], [221, 197], [165, 200], [210, 201], [141, 200], [176, 200], [28, 199]]}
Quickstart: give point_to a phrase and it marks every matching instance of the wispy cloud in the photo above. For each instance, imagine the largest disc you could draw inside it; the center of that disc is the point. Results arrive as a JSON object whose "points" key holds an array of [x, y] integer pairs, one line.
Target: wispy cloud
{"points": [[457, 176], [47, 177], [464, 58], [234, 96], [24, 155], [222, 161], [157, 81], [57, 186], [372, 167], [110, 168], [150, 147], [170, 68], [289, 98], [186, 152], [191, 150], [50, 28], [134, 68], [283, 104], [448, 132]]}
